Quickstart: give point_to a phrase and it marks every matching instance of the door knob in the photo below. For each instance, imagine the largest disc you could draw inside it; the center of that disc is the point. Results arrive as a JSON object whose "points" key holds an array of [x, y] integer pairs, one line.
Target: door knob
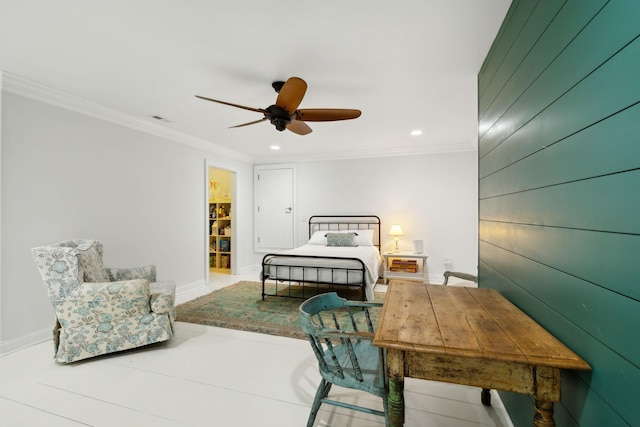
{"points": [[288, 210]]}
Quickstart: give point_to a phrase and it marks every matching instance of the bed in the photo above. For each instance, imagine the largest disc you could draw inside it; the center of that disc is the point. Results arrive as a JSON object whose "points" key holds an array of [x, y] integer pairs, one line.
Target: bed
{"points": [[342, 251]]}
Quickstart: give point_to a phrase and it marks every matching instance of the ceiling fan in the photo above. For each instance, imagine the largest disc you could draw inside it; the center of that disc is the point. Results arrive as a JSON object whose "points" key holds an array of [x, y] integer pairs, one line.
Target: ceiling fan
{"points": [[284, 113]]}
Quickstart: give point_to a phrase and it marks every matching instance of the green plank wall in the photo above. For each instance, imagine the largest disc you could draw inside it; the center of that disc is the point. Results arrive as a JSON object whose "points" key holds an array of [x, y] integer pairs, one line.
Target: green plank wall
{"points": [[559, 193]]}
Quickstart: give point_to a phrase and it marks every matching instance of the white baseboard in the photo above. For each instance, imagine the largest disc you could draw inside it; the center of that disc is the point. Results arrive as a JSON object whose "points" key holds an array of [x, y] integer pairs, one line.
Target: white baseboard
{"points": [[188, 287], [33, 338], [248, 269], [15, 344]]}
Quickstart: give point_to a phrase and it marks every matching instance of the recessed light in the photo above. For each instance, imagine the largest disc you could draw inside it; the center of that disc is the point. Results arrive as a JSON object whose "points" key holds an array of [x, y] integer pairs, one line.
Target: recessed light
{"points": [[275, 147], [416, 132]]}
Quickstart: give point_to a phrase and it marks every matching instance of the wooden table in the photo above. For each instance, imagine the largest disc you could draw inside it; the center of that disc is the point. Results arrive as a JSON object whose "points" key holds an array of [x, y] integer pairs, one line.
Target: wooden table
{"points": [[471, 336]]}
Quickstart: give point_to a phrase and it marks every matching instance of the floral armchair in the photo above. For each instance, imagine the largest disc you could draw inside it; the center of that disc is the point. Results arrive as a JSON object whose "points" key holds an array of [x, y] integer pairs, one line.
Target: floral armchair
{"points": [[102, 310]]}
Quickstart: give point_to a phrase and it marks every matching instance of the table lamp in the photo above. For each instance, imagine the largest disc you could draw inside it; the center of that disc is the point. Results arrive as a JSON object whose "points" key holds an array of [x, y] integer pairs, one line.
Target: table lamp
{"points": [[396, 231]]}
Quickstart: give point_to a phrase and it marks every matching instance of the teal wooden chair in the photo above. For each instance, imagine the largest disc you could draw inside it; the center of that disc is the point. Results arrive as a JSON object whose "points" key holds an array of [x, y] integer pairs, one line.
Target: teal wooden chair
{"points": [[341, 335], [465, 276]]}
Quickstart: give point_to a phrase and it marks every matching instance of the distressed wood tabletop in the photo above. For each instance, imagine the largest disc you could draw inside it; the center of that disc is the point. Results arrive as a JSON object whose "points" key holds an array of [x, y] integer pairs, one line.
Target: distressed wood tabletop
{"points": [[470, 336]]}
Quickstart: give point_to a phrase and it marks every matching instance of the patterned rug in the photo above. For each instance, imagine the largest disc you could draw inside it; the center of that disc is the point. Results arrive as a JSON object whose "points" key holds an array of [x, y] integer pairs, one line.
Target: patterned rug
{"points": [[240, 306]]}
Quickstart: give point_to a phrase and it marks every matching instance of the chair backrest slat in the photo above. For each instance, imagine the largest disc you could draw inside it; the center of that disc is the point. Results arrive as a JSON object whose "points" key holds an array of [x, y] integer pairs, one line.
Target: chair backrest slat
{"points": [[354, 359], [333, 327]]}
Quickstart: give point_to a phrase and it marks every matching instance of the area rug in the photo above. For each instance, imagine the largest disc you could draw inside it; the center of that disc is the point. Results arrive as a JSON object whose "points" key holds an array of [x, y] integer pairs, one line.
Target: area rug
{"points": [[240, 306]]}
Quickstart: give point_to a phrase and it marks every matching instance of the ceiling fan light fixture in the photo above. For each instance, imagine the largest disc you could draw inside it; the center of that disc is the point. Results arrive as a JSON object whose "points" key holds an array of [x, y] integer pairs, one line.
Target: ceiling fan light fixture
{"points": [[275, 147], [416, 132], [280, 123], [279, 117]]}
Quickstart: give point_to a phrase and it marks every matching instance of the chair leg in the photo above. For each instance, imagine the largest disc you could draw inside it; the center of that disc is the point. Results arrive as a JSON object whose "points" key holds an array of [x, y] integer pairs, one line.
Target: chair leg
{"points": [[321, 393], [385, 408]]}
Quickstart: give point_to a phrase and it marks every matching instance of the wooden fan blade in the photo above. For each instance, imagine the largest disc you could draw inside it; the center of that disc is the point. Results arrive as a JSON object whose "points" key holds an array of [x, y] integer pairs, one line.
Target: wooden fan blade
{"points": [[291, 94], [326, 114], [299, 127], [250, 123], [257, 110]]}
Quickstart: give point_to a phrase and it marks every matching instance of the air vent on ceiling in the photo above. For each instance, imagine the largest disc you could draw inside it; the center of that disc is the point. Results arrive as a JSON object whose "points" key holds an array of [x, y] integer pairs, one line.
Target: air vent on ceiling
{"points": [[160, 118]]}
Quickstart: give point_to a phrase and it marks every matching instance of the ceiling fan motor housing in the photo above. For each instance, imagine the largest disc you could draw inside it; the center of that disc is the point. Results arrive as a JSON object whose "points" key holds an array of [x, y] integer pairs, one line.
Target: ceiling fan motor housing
{"points": [[278, 116]]}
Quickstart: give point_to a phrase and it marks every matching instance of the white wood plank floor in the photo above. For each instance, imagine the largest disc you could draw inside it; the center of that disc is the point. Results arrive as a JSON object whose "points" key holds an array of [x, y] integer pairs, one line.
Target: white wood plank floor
{"points": [[209, 376]]}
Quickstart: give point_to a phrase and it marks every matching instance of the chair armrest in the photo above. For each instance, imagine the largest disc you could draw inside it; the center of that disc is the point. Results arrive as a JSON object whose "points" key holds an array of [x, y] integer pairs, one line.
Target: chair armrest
{"points": [[102, 301], [360, 335], [163, 298], [118, 290], [147, 272], [362, 304], [465, 276]]}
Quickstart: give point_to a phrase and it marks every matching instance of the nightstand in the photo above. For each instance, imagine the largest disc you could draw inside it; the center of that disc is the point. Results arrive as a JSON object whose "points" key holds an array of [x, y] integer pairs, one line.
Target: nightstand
{"points": [[420, 274]]}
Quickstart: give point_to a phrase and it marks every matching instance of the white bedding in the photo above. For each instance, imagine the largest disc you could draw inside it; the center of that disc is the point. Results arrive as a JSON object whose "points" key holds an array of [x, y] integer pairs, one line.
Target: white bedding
{"points": [[369, 255]]}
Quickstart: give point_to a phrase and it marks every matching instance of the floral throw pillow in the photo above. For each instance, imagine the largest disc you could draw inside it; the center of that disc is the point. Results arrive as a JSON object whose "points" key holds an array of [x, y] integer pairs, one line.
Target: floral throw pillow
{"points": [[341, 239], [90, 262]]}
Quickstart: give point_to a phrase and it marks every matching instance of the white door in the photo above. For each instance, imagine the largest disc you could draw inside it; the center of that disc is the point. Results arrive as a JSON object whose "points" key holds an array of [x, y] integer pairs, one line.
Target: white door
{"points": [[274, 189]]}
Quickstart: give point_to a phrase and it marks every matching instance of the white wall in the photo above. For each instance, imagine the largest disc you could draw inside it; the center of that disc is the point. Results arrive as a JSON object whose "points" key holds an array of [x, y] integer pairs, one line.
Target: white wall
{"points": [[67, 175], [433, 197], [1, 173]]}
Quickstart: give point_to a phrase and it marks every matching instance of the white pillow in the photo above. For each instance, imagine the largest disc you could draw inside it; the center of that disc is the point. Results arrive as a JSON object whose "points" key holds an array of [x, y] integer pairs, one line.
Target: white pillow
{"points": [[363, 238], [319, 238]]}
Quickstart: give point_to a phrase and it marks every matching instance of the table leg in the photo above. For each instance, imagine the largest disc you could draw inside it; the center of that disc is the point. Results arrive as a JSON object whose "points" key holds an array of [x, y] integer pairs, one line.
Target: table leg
{"points": [[485, 397], [395, 372], [544, 414], [548, 383]]}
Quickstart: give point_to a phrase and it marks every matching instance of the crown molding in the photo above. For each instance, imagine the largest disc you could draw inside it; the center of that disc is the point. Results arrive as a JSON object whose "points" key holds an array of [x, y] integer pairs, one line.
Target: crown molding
{"points": [[17, 85], [383, 152]]}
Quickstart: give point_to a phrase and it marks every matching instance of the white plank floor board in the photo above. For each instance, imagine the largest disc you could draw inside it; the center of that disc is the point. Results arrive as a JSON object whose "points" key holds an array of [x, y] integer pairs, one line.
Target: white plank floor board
{"points": [[209, 376]]}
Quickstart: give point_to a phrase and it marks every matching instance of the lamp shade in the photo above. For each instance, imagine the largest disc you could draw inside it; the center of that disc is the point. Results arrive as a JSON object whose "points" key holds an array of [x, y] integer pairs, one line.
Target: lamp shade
{"points": [[396, 230]]}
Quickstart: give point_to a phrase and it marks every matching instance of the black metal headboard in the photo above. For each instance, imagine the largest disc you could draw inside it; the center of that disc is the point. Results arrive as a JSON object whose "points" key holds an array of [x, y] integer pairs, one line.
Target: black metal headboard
{"points": [[346, 222]]}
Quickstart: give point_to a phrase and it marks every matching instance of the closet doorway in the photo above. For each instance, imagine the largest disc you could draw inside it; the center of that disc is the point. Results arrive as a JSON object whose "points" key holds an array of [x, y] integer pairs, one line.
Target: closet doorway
{"points": [[221, 244]]}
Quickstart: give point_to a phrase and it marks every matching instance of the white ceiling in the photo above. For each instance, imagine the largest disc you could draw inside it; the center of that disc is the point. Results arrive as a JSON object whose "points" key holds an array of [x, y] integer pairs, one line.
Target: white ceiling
{"points": [[407, 64]]}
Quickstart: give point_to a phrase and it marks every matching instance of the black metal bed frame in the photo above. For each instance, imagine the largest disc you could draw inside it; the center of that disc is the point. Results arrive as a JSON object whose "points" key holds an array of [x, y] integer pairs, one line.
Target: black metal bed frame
{"points": [[320, 223]]}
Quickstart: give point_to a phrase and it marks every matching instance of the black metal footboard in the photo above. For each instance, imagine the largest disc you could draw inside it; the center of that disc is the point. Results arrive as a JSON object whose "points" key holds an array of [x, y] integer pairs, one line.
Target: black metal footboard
{"points": [[284, 275]]}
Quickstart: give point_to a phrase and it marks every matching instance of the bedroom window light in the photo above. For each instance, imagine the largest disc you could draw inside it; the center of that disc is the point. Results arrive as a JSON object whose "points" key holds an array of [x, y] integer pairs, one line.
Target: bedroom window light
{"points": [[396, 231]]}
